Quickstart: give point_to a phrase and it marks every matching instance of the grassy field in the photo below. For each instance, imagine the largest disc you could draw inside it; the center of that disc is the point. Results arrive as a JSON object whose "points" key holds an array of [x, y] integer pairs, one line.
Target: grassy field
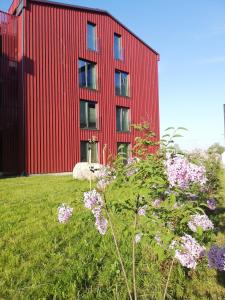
{"points": [[42, 259]]}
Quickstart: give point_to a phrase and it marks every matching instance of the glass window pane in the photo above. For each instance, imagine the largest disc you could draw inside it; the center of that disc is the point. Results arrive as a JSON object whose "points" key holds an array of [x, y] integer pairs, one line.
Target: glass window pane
{"points": [[118, 119], [82, 77], [91, 115], [83, 116], [124, 84], [123, 149], [91, 36], [125, 125], [117, 46], [117, 83], [94, 153], [84, 151], [91, 76]]}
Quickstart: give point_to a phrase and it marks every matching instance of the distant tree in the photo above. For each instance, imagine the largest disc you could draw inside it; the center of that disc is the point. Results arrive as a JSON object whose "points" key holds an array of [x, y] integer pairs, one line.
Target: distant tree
{"points": [[216, 148]]}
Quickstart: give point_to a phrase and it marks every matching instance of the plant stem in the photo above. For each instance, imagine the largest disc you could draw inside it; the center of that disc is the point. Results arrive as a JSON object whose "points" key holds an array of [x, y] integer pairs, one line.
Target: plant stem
{"points": [[133, 258], [168, 279], [118, 253]]}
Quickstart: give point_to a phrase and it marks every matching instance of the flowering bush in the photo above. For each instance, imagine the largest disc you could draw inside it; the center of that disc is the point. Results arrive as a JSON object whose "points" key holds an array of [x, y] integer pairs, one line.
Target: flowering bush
{"points": [[165, 195]]}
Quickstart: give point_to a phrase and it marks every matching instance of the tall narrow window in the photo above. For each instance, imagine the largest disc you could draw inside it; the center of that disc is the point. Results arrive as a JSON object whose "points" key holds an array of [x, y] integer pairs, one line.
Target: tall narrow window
{"points": [[87, 74], [123, 149], [122, 119], [91, 36], [88, 115], [86, 148], [121, 83], [117, 47]]}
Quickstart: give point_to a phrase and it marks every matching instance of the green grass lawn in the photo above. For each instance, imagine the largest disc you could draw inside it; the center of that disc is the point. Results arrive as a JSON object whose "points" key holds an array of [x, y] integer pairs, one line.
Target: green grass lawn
{"points": [[42, 259]]}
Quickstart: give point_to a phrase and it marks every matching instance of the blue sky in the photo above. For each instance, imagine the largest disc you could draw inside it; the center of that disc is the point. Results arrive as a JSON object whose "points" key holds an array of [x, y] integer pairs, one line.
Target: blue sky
{"points": [[190, 37]]}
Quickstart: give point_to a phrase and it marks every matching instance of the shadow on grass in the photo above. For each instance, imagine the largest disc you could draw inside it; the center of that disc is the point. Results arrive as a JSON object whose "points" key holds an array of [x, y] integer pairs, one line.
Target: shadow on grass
{"points": [[220, 278], [219, 219]]}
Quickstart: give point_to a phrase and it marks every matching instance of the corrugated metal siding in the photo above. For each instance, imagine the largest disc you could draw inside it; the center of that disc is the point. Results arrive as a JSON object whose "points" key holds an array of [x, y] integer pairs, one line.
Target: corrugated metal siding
{"points": [[9, 105], [55, 38]]}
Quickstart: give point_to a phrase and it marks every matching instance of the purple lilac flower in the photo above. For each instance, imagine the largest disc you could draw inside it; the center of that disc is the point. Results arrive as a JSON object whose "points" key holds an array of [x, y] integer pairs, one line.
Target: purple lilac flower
{"points": [[190, 253], [211, 203], [181, 172], [138, 237], [92, 198], [156, 202], [94, 202], [216, 258], [142, 210], [102, 184], [186, 259], [105, 176], [64, 213], [131, 166], [101, 224], [200, 221]]}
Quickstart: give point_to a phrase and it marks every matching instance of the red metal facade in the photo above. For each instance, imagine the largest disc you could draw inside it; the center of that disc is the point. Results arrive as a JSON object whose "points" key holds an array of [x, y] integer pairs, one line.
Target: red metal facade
{"points": [[9, 106], [53, 39]]}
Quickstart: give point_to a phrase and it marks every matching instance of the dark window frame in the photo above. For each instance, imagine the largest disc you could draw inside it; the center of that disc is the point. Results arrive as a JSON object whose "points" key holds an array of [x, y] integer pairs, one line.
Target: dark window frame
{"points": [[119, 50], [93, 86], [87, 115], [95, 48], [119, 90], [86, 145], [125, 154], [121, 128]]}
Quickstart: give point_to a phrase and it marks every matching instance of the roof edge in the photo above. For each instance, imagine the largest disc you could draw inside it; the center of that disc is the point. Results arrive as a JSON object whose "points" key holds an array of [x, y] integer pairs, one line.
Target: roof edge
{"points": [[84, 8]]}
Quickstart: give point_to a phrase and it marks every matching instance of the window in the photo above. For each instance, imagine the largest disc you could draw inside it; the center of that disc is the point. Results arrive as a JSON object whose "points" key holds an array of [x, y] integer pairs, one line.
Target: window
{"points": [[87, 74], [123, 149], [121, 83], [122, 119], [91, 36], [117, 47], [85, 148], [88, 115]]}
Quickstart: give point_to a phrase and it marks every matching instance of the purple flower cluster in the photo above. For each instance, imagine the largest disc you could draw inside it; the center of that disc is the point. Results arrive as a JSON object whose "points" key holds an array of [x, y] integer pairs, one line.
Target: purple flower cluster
{"points": [[216, 258], [131, 169], [182, 173], [142, 210], [191, 252], [94, 202], [211, 203], [156, 203], [200, 221], [105, 176], [64, 213]]}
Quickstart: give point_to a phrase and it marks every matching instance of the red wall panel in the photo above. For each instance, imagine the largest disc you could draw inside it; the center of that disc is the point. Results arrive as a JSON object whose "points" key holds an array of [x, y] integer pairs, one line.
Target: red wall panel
{"points": [[55, 37]]}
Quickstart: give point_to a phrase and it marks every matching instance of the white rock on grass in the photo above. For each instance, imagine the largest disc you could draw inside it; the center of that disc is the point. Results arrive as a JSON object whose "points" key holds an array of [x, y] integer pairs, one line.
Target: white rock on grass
{"points": [[82, 171]]}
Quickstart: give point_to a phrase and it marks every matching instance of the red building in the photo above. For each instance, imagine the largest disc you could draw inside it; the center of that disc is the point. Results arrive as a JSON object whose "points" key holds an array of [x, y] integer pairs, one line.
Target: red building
{"points": [[80, 73]]}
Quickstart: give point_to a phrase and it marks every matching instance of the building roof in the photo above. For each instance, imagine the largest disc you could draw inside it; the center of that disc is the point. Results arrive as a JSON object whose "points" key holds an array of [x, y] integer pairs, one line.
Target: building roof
{"points": [[94, 10]]}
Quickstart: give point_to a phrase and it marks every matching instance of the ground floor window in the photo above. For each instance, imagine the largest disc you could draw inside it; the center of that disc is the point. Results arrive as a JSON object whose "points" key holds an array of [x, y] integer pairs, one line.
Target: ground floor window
{"points": [[124, 150], [85, 149]]}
